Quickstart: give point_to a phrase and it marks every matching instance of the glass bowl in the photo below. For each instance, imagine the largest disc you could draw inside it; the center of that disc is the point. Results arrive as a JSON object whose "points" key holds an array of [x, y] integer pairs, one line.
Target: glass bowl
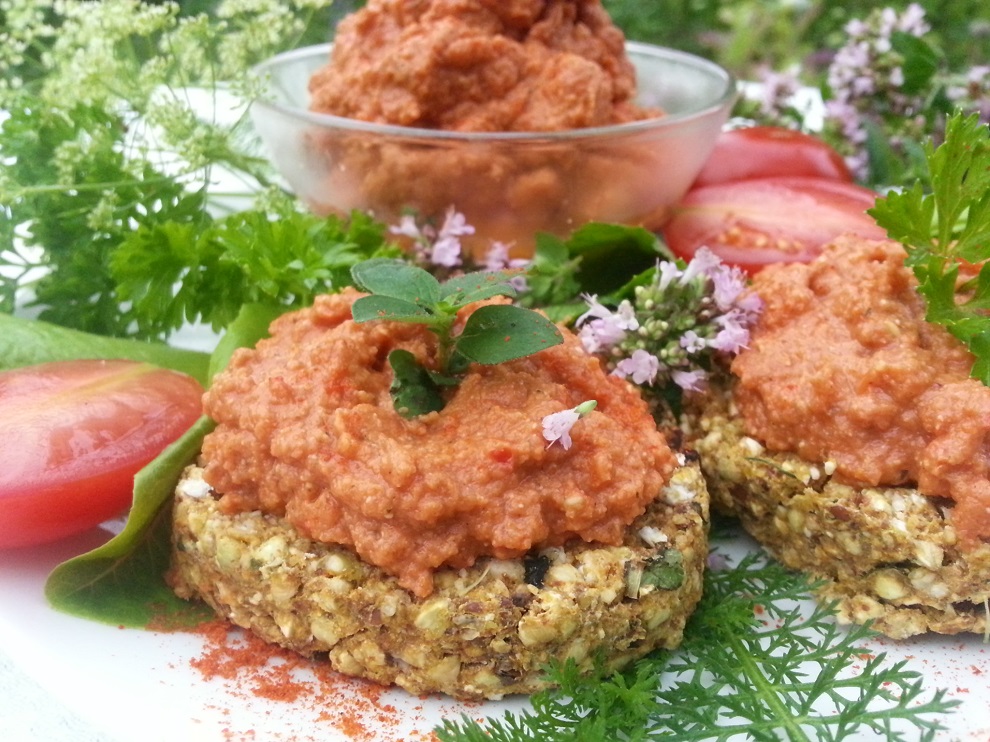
{"points": [[509, 185]]}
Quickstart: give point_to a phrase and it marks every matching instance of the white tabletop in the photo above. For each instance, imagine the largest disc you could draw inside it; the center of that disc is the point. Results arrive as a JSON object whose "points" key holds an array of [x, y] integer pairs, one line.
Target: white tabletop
{"points": [[30, 714]]}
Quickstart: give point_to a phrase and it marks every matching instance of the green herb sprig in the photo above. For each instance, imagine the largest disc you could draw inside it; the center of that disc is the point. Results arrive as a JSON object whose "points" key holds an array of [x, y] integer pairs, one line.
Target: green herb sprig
{"points": [[754, 664], [946, 228], [205, 270], [102, 133], [493, 333]]}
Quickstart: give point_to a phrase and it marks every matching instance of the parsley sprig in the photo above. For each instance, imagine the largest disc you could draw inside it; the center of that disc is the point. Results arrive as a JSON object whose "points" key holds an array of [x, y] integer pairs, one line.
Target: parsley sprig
{"points": [[947, 230], [205, 270], [760, 661]]}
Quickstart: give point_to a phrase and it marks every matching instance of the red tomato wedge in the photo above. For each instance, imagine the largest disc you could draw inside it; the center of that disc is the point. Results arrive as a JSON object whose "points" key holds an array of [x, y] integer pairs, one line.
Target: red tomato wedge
{"points": [[770, 151], [72, 436], [752, 223]]}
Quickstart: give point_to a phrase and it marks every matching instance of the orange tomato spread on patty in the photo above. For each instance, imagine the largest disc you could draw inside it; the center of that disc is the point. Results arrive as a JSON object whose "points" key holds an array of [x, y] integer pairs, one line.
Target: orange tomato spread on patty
{"points": [[306, 429], [843, 367]]}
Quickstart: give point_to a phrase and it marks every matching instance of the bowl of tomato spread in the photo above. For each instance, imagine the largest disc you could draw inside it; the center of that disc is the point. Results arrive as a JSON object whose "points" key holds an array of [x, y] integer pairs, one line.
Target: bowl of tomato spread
{"points": [[526, 118]]}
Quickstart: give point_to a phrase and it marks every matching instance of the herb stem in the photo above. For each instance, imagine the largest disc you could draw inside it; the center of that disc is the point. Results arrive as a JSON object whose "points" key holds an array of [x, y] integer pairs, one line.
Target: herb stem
{"points": [[79, 187], [767, 691]]}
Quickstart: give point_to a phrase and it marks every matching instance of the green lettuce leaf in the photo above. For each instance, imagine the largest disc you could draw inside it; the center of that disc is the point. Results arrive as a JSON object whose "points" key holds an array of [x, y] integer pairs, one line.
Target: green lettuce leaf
{"points": [[122, 581], [25, 342]]}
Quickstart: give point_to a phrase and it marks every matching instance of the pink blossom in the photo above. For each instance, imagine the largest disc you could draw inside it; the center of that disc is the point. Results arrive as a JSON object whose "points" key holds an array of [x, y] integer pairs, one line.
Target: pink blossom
{"points": [[667, 272], [733, 337], [642, 366], [912, 21], [690, 381], [601, 328], [407, 227], [496, 256], [728, 284], [750, 305], [692, 342], [702, 264], [454, 225], [557, 426], [446, 251], [497, 259]]}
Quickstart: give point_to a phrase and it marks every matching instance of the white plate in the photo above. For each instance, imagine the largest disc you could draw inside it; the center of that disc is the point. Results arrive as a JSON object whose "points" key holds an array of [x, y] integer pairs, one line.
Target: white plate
{"points": [[133, 685], [141, 685]]}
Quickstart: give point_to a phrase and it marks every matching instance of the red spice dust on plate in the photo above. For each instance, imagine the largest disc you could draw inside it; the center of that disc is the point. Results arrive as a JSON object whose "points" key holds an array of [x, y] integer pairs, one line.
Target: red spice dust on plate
{"points": [[253, 669]]}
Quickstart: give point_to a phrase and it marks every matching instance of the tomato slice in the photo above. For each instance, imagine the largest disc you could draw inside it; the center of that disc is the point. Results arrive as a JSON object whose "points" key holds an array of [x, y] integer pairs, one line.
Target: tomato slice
{"points": [[72, 436], [752, 223], [770, 151]]}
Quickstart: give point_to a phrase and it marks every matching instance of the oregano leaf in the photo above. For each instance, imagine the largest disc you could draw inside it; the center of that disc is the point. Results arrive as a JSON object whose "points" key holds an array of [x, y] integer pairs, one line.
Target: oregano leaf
{"points": [[502, 332], [377, 307], [397, 279], [414, 390], [468, 288]]}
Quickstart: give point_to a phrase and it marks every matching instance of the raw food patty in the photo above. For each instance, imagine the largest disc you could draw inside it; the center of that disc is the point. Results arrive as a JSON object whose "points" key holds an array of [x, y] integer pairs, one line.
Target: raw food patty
{"points": [[886, 554], [485, 632]]}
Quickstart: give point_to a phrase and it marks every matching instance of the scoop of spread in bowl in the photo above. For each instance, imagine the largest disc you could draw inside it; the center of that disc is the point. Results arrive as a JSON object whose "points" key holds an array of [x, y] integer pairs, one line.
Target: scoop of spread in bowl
{"points": [[480, 65]]}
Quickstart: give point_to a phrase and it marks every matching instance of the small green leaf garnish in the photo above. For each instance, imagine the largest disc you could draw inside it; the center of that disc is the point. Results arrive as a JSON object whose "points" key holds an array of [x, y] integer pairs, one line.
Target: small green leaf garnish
{"points": [[397, 279], [948, 228], [402, 292], [497, 333], [665, 571], [459, 291], [413, 389], [373, 307]]}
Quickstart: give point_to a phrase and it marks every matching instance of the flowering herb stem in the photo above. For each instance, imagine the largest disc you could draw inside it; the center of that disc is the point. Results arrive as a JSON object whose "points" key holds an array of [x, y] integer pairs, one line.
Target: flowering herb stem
{"points": [[680, 316]]}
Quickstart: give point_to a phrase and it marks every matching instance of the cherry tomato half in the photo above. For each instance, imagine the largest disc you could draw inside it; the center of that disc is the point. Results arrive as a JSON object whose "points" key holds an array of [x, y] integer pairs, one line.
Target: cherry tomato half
{"points": [[751, 223], [72, 436], [770, 151]]}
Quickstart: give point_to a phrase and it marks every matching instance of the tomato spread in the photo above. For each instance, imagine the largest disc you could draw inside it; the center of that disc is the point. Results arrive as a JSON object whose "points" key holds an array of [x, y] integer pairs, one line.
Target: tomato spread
{"points": [[479, 65], [307, 430], [843, 367]]}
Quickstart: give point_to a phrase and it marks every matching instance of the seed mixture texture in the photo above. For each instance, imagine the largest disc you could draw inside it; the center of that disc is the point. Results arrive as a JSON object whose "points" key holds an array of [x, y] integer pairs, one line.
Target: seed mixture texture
{"points": [[485, 631]]}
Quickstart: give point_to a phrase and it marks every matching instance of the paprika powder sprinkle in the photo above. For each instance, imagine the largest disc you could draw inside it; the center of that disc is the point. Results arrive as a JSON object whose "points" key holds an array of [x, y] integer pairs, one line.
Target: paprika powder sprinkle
{"points": [[355, 708]]}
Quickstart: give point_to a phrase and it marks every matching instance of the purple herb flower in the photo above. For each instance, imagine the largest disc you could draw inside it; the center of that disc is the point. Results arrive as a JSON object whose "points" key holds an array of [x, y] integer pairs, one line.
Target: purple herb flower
{"points": [[557, 426], [642, 367], [677, 322]]}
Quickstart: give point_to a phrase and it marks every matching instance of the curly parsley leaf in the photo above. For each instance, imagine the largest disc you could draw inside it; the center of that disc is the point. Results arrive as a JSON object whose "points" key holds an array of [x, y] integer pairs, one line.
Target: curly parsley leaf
{"points": [[756, 663], [207, 270], [947, 234]]}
